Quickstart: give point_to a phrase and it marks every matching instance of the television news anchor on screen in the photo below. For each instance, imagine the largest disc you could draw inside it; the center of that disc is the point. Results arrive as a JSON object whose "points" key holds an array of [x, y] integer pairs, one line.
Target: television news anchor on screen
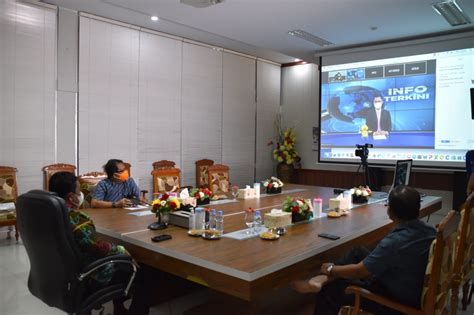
{"points": [[377, 118]]}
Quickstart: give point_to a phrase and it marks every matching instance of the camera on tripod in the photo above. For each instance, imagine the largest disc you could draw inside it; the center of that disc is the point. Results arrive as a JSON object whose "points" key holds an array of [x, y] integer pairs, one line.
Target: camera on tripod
{"points": [[362, 150]]}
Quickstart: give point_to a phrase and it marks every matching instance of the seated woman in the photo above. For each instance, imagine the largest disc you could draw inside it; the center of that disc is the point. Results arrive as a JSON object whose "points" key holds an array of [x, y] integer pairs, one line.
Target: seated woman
{"points": [[65, 184], [117, 189]]}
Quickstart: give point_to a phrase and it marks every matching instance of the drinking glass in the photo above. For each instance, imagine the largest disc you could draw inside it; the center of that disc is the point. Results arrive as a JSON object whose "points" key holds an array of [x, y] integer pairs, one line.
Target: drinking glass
{"points": [[249, 221], [235, 191]]}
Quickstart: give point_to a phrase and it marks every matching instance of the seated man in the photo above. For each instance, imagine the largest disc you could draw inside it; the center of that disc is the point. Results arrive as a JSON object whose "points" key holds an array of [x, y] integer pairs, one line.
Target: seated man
{"points": [[395, 268], [65, 184], [117, 189]]}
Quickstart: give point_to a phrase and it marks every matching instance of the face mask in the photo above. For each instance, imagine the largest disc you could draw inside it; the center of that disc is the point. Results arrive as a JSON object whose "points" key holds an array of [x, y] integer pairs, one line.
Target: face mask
{"points": [[123, 176], [77, 200]]}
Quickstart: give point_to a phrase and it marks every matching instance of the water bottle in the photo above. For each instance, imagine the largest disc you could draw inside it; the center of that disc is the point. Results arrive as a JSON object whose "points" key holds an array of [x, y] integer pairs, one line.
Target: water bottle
{"points": [[220, 222], [199, 219], [257, 222], [212, 219], [317, 207], [192, 224]]}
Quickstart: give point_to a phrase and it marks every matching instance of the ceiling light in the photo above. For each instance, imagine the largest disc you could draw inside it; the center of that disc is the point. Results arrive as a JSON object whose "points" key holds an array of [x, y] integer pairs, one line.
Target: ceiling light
{"points": [[155, 18], [451, 11], [310, 37], [201, 3], [297, 60]]}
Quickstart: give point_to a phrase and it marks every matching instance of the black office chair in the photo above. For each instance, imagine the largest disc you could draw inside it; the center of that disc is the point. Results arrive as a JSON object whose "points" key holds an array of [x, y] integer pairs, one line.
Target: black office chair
{"points": [[57, 274]]}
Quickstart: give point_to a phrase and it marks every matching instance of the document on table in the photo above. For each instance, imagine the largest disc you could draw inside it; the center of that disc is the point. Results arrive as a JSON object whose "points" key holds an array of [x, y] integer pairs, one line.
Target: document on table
{"points": [[137, 207]]}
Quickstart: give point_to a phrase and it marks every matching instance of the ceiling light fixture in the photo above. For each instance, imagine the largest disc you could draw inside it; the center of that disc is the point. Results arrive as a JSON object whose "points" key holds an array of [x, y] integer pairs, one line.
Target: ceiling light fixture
{"points": [[310, 37], [452, 12], [201, 3], [154, 18]]}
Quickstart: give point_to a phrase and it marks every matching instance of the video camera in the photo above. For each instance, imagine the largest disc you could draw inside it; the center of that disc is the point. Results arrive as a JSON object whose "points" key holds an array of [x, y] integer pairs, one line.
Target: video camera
{"points": [[362, 150]]}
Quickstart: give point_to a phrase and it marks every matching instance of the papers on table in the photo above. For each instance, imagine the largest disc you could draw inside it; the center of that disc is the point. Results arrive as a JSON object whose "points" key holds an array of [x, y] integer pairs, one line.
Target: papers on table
{"points": [[141, 213], [137, 207]]}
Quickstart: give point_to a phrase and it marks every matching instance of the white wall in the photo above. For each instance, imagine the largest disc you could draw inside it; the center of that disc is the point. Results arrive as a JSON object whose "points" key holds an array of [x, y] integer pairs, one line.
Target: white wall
{"points": [[28, 133]]}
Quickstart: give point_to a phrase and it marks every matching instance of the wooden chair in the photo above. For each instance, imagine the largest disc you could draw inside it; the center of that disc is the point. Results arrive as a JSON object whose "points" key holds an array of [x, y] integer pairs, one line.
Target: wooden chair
{"points": [[50, 170], [202, 178], [166, 180], [463, 262], [163, 164], [8, 193], [128, 167], [438, 276], [88, 182], [218, 178]]}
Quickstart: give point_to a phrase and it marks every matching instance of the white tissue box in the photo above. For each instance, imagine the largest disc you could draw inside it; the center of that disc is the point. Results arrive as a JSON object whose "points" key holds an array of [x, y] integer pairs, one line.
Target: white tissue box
{"points": [[247, 193], [276, 219]]}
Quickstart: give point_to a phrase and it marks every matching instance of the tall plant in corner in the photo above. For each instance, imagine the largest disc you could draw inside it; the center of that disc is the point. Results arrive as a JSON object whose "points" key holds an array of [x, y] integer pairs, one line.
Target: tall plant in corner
{"points": [[284, 147]]}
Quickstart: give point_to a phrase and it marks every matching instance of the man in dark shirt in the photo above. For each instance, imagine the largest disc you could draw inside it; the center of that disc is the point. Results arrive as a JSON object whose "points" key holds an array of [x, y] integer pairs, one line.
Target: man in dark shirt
{"points": [[395, 268]]}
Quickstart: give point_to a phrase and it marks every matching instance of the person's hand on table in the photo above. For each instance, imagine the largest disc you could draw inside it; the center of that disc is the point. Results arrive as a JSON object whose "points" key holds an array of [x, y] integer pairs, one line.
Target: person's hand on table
{"points": [[122, 203], [326, 268]]}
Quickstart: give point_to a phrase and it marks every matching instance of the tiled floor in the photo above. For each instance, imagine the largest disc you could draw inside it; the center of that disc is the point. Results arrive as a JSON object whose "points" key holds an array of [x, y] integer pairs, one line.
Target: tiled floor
{"points": [[15, 298]]}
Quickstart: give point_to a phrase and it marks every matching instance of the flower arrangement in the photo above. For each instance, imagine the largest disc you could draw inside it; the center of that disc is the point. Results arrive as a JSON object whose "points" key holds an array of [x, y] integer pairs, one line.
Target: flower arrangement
{"points": [[284, 148], [165, 203], [360, 194], [300, 208], [202, 195], [273, 185]]}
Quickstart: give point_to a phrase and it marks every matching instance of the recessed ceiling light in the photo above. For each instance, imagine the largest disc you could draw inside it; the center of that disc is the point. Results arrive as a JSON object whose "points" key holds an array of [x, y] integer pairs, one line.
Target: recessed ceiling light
{"points": [[297, 60], [155, 18], [452, 12], [310, 37]]}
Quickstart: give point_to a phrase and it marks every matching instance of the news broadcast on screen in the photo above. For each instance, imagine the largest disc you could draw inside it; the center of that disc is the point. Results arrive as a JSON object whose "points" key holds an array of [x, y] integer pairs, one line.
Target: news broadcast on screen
{"points": [[413, 107]]}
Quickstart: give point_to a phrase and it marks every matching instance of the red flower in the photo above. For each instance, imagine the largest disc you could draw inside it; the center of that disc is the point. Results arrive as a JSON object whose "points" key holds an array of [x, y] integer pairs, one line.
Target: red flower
{"points": [[173, 205], [295, 209], [165, 197], [270, 186]]}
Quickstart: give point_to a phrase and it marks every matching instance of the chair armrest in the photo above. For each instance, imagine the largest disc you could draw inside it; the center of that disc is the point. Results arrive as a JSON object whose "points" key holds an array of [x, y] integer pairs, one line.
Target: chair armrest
{"points": [[358, 291], [114, 259]]}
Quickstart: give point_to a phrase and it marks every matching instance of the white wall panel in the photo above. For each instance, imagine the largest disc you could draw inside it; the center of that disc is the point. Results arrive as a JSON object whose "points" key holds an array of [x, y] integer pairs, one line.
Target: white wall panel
{"points": [[108, 94], [27, 90], [201, 118], [238, 123], [268, 106], [159, 120]]}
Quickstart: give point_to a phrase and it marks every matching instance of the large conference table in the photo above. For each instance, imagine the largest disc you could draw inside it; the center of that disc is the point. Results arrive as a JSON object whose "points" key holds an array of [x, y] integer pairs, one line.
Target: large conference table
{"points": [[251, 268]]}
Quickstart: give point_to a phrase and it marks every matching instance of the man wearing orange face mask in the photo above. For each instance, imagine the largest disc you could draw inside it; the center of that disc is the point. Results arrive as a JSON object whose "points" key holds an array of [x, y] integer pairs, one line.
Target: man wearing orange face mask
{"points": [[116, 190]]}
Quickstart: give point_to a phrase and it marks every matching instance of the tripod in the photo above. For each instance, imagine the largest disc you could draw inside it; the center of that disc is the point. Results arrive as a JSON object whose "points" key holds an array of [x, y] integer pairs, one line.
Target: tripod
{"points": [[365, 167]]}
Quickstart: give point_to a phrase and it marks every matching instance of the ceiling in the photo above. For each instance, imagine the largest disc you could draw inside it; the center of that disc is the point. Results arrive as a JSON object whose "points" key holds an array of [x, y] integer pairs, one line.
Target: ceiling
{"points": [[260, 27]]}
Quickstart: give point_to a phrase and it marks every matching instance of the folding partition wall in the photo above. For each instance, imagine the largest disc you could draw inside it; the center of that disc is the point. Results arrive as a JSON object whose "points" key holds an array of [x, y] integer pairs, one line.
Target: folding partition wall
{"points": [[146, 96], [27, 90]]}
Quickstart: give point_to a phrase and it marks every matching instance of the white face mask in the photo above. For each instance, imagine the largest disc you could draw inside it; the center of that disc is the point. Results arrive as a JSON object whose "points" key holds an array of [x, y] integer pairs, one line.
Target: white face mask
{"points": [[378, 105], [78, 200]]}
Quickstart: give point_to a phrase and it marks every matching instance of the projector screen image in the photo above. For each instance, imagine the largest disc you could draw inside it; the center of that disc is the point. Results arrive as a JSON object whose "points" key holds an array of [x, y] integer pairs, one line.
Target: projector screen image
{"points": [[414, 107]]}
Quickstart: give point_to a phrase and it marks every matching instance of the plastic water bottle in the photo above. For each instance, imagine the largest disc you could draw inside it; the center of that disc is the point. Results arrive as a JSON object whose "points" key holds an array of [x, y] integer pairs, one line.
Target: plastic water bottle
{"points": [[212, 219], [257, 222], [220, 222], [192, 224], [199, 218]]}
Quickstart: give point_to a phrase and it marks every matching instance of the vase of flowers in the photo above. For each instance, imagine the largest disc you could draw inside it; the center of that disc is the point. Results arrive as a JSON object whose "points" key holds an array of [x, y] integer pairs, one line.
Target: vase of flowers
{"points": [[273, 185], [360, 194], [202, 195], [162, 206], [284, 151], [300, 208]]}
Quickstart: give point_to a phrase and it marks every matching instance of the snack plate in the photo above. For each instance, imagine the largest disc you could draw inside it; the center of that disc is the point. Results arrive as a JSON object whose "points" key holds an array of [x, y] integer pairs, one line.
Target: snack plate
{"points": [[269, 236], [210, 235], [195, 232], [334, 214]]}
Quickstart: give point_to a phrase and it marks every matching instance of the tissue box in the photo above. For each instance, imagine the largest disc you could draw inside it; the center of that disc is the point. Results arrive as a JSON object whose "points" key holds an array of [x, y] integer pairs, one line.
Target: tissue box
{"points": [[247, 193], [277, 218], [179, 218], [334, 203]]}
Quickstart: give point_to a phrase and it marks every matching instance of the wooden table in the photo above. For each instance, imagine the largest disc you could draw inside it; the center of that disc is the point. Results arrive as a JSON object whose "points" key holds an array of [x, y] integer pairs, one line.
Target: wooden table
{"points": [[249, 269]]}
